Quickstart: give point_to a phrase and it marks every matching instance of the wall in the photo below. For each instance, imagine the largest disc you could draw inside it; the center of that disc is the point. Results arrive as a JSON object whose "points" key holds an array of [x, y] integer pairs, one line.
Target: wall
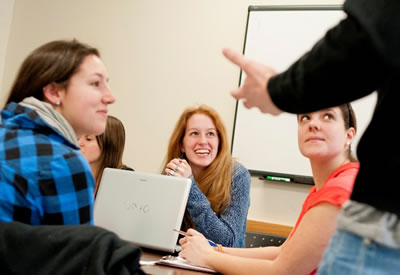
{"points": [[162, 56], [6, 11]]}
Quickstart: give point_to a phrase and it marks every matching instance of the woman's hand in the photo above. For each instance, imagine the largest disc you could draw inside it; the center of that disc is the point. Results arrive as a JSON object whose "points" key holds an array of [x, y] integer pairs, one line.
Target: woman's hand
{"points": [[195, 248], [178, 168]]}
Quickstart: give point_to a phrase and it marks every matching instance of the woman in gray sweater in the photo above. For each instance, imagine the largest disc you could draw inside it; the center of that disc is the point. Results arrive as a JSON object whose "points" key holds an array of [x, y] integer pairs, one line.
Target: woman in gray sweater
{"points": [[219, 198]]}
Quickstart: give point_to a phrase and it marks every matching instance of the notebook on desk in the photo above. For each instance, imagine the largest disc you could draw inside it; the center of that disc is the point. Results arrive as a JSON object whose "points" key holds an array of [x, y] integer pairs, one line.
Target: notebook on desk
{"points": [[142, 207]]}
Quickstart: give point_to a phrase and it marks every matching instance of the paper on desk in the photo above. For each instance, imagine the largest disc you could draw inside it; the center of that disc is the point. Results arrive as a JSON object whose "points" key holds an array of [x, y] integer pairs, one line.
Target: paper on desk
{"points": [[147, 262], [182, 263]]}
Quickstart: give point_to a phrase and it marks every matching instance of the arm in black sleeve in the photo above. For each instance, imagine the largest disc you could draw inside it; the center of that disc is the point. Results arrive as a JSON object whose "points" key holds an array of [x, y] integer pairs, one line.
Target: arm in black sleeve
{"points": [[343, 66], [83, 249]]}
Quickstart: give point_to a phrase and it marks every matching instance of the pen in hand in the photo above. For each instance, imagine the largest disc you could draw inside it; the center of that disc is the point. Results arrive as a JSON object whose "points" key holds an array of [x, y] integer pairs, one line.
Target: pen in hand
{"points": [[183, 233]]}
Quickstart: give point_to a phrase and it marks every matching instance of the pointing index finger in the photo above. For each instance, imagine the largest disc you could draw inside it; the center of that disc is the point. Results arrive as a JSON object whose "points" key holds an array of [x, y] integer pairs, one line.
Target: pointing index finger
{"points": [[234, 56]]}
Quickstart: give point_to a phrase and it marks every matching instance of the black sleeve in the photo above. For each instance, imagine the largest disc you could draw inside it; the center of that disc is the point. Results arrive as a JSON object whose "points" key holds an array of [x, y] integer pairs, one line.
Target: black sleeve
{"points": [[343, 66], [62, 250]]}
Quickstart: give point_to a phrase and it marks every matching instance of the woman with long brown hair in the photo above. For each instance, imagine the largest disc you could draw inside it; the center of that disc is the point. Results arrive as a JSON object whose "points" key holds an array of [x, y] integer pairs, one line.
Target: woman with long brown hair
{"points": [[60, 93], [105, 150], [219, 198]]}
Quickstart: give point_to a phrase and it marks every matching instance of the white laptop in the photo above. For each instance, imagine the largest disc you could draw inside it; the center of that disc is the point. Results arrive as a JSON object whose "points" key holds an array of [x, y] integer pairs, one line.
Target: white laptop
{"points": [[142, 208]]}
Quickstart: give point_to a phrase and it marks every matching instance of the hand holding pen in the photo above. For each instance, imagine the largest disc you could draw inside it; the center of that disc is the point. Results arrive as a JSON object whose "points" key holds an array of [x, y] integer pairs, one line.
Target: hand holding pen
{"points": [[183, 233], [196, 248]]}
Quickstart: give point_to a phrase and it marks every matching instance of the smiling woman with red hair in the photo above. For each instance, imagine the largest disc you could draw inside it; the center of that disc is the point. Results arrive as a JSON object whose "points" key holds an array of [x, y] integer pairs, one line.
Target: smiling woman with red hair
{"points": [[219, 198]]}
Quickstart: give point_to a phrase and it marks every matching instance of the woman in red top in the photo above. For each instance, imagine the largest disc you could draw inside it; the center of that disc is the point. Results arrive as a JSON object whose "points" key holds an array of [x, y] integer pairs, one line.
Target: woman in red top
{"points": [[324, 137]]}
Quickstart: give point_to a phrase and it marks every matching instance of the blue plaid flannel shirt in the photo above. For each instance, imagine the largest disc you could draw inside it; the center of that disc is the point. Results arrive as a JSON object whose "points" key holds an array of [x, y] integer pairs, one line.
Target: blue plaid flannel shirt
{"points": [[44, 179]]}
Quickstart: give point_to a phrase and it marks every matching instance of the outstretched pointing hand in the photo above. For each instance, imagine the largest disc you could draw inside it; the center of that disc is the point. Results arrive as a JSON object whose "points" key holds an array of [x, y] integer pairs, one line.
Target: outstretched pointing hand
{"points": [[253, 92]]}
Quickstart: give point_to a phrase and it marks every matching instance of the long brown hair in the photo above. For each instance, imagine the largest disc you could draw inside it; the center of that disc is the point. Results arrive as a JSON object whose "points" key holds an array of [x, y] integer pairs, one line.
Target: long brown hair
{"points": [[215, 180], [112, 144], [55, 61]]}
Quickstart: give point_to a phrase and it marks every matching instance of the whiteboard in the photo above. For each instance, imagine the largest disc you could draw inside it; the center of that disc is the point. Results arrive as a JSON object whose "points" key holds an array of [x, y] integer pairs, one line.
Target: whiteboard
{"points": [[277, 36]]}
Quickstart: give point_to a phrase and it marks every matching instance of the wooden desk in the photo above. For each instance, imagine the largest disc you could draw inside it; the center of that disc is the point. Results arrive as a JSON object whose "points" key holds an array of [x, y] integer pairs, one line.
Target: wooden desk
{"points": [[162, 269], [268, 228]]}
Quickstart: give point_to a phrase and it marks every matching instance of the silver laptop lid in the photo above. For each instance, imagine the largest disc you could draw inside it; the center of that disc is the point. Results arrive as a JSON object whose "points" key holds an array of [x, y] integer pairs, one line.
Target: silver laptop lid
{"points": [[142, 207]]}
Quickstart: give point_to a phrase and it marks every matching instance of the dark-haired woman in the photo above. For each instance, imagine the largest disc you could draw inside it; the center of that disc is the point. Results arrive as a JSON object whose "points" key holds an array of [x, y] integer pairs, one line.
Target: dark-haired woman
{"points": [[105, 150]]}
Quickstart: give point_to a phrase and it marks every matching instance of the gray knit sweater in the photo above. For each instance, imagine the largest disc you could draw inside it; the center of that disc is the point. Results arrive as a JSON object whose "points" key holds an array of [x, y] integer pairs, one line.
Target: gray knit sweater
{"points": [[229, 228]]}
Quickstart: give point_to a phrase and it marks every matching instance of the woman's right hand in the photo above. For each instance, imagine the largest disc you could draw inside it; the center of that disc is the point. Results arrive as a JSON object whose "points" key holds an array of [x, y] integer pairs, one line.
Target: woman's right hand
{"points": [[195, 247], [178, 168]]}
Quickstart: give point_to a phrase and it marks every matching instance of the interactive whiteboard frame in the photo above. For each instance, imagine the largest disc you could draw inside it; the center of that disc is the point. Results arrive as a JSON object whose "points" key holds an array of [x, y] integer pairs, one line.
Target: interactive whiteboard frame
{"points": [[277, 36]]}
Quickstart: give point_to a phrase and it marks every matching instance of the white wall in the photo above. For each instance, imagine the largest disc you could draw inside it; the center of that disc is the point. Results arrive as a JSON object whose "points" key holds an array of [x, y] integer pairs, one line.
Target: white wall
{"points": [[162, 56], [6, 10]]}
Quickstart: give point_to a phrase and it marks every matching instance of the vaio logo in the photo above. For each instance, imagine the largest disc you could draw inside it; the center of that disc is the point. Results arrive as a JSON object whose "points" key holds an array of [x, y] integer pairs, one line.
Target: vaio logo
{"points": [[138, 207]]}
